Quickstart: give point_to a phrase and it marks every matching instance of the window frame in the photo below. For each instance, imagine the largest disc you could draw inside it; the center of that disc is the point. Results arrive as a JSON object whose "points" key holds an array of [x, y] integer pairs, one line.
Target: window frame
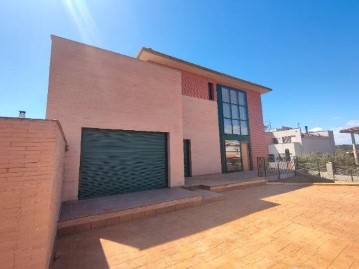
{"points": [[237, 104], [239, 146], [221, 96]]}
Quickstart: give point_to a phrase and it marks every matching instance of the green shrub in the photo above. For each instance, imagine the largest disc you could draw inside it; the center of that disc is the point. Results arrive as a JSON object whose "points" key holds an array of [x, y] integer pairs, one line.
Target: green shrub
{"points": [[339, 157]]}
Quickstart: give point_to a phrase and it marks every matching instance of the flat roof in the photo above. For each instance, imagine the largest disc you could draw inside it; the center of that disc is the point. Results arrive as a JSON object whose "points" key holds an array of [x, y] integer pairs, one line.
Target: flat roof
{"points": [[151, 55], [354, 130]]}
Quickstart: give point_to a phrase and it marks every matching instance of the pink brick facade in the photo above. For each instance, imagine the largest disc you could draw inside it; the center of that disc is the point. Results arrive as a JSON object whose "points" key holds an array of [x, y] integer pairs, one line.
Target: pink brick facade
{"points": [[256, 126], [31, 172], [197, 86], [94, 88], [200, 125]]}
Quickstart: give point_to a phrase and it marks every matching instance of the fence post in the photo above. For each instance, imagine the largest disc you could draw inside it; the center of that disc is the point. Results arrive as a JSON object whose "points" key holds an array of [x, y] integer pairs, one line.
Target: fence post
{"points": [[264, 167], [261, 166], [351, 174], [297, 167], [278, 170], [318, 169], [330, 170]]}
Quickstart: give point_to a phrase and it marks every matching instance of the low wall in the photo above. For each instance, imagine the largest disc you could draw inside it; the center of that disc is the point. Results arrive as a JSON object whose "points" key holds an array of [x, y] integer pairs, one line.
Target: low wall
{"points": [[31, 171]]}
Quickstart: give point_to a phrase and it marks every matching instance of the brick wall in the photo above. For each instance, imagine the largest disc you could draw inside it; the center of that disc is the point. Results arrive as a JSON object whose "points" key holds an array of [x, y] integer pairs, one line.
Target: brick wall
{"points": [[197, 86], [31, 170], [95, 88], [256, 127], [200, 125]]}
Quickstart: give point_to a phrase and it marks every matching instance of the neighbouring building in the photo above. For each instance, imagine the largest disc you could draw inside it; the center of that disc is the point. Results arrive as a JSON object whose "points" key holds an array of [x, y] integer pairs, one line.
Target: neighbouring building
{"points": [[135, 124], [288, 142]]}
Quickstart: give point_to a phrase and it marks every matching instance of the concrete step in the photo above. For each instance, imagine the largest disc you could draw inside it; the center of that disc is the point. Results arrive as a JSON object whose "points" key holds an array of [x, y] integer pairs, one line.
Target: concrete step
{"points": [[209, 196], [226, 185], [236, 185], [85, 215]]}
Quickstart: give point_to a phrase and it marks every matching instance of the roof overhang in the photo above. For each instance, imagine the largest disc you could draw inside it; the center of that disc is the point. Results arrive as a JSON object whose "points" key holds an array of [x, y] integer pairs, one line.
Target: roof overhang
{"points": [[151, 55], [354, 130]]}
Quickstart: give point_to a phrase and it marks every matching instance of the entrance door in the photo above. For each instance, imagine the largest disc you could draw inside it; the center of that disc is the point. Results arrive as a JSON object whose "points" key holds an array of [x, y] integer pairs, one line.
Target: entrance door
{"points": [[187, 157], [233, 156]]}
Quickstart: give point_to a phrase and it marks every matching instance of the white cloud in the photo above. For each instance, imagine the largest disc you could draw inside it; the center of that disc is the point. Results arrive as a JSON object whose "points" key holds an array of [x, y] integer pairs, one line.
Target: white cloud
{"points": [[352, 123], [345, 138], [341, 138]]}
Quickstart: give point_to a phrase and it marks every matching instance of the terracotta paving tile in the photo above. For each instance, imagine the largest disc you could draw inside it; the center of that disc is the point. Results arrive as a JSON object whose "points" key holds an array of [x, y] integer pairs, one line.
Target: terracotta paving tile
{"points": [[269, 226]]}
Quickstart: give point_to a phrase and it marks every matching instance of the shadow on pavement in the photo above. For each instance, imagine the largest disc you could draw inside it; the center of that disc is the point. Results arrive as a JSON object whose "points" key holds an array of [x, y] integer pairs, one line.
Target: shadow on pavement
{"points": [[150, 232]]}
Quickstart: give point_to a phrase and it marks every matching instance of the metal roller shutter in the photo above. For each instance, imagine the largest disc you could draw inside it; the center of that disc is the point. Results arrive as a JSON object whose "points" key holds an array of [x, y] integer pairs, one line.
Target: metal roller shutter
{"points": [[117, 162]]}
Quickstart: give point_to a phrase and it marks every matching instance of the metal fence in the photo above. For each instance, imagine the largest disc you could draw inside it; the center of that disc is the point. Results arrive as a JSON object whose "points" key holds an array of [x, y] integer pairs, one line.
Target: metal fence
{"points": [[275, 170], [312, 168], [345, 173], [295, 167], [329, 170]]}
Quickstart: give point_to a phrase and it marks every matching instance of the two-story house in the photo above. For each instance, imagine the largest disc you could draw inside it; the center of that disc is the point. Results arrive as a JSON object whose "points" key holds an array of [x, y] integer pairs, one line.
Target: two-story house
{"points": [[135, 124]]}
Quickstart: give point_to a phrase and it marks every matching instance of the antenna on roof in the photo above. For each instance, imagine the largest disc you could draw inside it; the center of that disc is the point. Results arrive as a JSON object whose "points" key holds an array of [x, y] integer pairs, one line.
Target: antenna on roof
{"points": [[268, 127]]}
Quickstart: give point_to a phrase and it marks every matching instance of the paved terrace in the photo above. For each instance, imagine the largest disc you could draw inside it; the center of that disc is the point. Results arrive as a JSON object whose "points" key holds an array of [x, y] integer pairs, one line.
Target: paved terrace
{"points": [[268, 226], [79, 216]]}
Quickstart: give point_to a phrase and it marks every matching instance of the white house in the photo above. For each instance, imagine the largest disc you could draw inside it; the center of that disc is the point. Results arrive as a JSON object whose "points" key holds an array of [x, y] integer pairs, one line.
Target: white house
{"points": [[287, 142]]}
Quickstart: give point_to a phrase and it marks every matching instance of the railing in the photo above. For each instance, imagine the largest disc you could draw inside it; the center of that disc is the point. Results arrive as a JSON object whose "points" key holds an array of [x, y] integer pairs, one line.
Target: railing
{"points": [[312, 168], [294, 167], [346, 173], [275, 170]]}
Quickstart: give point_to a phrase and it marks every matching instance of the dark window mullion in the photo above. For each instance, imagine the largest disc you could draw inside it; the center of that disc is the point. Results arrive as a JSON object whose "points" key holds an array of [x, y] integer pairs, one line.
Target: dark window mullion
{"points": [[230, 120], [246, 118], [230, 112], [240, 127]]}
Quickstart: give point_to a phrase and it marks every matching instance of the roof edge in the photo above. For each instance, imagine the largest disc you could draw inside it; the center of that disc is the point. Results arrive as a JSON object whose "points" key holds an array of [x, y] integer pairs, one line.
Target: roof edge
{"points": [[354, 130], [144, 49]]}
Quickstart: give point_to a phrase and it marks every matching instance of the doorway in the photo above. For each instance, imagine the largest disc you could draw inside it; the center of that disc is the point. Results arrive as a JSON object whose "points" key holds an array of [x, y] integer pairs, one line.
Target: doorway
{"points": [[187, 157]]}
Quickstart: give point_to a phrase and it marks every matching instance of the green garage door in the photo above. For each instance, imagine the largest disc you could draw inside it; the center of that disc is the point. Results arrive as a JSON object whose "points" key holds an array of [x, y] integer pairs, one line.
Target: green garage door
{"points": [[116, 162]]}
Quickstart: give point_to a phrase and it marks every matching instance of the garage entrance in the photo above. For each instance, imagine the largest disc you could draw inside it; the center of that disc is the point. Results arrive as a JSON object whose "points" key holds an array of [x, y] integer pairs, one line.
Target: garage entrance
{"points": [[116, 162]]}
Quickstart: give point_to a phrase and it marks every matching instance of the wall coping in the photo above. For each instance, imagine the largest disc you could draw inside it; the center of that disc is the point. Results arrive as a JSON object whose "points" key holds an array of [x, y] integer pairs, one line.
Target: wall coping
{"points": [[169, 69], [42, 120]]}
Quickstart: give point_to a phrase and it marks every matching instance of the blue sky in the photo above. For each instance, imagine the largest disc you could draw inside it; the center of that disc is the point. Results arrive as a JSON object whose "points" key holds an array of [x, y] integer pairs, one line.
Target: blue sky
{"points": [[306, 51]]}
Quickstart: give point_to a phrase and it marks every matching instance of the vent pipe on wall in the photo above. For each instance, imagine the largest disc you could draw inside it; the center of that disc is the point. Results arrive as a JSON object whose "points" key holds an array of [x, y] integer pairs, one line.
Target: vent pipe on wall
{"points": [[22, 114]]}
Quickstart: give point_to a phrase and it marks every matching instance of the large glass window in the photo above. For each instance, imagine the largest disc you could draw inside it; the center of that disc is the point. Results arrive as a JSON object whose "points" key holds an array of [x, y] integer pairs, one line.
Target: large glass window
{"points": [[225, 95], [234, 112]]}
